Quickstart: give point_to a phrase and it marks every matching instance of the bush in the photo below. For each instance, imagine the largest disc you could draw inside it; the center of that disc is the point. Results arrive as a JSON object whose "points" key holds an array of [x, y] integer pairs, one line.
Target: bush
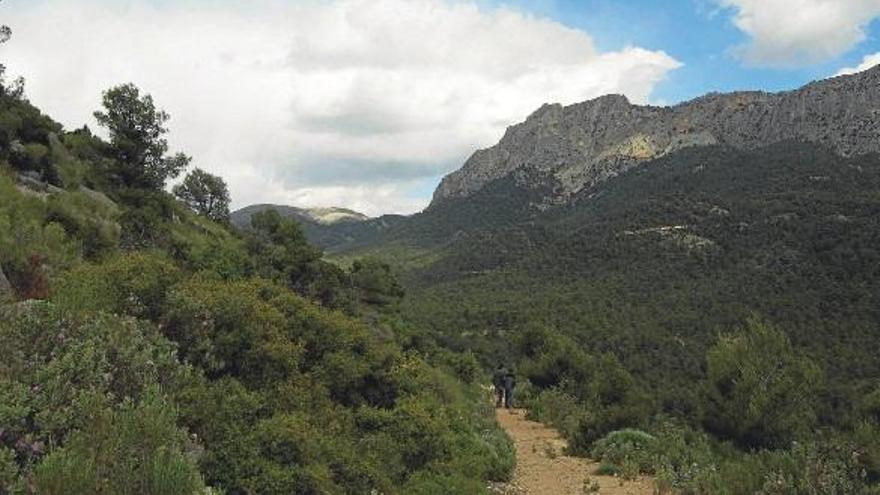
{"points": [[93, 221], [70, 171], [598, 422], [375, 282], [808, 468], [759, 390], [686, 461], [866, 438], [93, 372], [226, 258], [627, 447], [136, 448], [31, 247], [466, 366], [442, 484], [557, 409], [134, 284]]}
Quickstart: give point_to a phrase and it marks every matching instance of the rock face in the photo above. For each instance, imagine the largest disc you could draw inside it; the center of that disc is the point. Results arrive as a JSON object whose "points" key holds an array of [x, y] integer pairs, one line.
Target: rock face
{"points": [[586, 143]]}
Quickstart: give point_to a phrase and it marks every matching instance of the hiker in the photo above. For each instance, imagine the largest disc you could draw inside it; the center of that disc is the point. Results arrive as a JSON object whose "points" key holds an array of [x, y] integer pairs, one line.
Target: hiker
{"points": [[509, 383], [498, 382]]}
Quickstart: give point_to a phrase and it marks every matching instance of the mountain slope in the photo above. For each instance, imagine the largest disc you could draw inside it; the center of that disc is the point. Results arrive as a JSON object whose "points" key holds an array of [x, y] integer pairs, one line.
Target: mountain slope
{"points": [[322, 216], [327, 228], [149, 349], [582, 144], [651, 264]]}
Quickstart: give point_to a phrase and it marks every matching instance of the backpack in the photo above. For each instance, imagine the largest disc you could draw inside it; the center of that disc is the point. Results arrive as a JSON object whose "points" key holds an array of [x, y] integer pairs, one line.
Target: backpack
{"points": [[509, 381], [498, 377]]}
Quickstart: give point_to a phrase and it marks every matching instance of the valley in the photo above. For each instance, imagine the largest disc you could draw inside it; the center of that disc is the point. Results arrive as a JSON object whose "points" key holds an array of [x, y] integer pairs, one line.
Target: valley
{"points": [[686, 298], [655, 266]]}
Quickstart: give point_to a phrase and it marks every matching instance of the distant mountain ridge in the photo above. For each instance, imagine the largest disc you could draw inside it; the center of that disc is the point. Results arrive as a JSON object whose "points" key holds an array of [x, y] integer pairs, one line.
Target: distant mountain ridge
{"points": [[322, 216], [583, 144], [329, 228]]}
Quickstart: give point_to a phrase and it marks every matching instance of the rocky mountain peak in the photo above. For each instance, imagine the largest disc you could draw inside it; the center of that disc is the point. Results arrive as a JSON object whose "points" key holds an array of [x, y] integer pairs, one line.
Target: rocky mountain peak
{"points": [[583, 144]]}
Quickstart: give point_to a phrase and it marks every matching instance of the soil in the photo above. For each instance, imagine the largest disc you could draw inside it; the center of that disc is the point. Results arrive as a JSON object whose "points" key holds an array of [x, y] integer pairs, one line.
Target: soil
{"points": [[542, 468]]}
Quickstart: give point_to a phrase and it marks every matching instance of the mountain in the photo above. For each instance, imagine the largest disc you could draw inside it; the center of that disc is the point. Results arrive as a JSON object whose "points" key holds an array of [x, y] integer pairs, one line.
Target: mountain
{"points": [[583, 144], [321, 216], [332, 229], [650, 264], [762, 204]]}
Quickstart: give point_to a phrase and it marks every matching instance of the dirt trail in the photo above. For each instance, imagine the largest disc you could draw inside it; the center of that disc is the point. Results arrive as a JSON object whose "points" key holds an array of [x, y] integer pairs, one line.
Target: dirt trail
{"points": [[543, 469]]}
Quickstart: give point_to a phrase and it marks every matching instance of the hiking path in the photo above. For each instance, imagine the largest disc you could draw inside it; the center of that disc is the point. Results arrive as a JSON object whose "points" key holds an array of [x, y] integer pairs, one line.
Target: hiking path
{"points": [[542, 468]]}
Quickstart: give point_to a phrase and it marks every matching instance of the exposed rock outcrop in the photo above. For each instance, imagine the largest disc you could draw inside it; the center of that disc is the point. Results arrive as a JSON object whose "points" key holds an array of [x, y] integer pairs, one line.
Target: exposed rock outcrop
{"points": [[585, 143]]}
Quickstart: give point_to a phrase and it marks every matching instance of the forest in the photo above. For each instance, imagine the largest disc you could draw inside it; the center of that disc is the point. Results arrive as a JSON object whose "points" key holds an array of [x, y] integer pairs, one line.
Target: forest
{"points": [[720, 303]]}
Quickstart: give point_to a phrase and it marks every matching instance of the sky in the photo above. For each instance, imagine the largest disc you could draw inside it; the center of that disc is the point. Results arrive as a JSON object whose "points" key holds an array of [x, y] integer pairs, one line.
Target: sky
{"points": [[366, 104]]}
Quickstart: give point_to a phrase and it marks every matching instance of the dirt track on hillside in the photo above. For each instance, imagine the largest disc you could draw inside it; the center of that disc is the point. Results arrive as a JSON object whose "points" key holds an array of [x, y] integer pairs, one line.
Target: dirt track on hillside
{"points": [[543, 469]]}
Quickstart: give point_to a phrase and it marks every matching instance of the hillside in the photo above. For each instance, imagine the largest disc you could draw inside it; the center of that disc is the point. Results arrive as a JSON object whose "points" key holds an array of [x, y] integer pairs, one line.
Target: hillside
{"points": [[646, 277], [321, 216], [668, 252], [650, 275], [150, 348]]}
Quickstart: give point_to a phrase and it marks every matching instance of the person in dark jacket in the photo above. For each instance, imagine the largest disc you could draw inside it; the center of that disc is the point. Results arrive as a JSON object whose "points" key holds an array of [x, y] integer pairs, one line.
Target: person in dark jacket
{"points": [[509, 383], [498, 379]]}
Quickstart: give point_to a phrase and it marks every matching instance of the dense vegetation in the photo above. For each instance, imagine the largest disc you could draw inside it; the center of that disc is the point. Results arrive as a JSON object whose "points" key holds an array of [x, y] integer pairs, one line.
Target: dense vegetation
{"points": [[149, 348], [724, 301]]}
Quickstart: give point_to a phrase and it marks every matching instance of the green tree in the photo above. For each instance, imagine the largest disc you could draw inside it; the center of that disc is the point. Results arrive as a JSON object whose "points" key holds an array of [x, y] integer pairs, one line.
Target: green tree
{"points": [[759, 391], [281, 250], [375, 281], [136, 130], [206, 194]]}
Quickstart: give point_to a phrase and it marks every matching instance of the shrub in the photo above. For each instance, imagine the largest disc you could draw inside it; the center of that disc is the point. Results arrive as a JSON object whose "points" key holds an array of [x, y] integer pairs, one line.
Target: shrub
{"points": [[230, 328], [866, 438], [558, 409], [31, 246], [442, 484], [134, 284], [70, 171], [85, 217], [9, 480], [225, 257], [466, 366], [759, 390], [685, 459], [146, 218], [375, 282], [99, 352], [88, 368], [812, 468], [627, 447], [136, 448]]}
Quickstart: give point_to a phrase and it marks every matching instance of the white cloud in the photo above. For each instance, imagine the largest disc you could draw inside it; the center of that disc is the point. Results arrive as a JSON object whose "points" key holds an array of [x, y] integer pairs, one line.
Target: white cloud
{"points": [[317, 103], [867, 62], [787, 33]]}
